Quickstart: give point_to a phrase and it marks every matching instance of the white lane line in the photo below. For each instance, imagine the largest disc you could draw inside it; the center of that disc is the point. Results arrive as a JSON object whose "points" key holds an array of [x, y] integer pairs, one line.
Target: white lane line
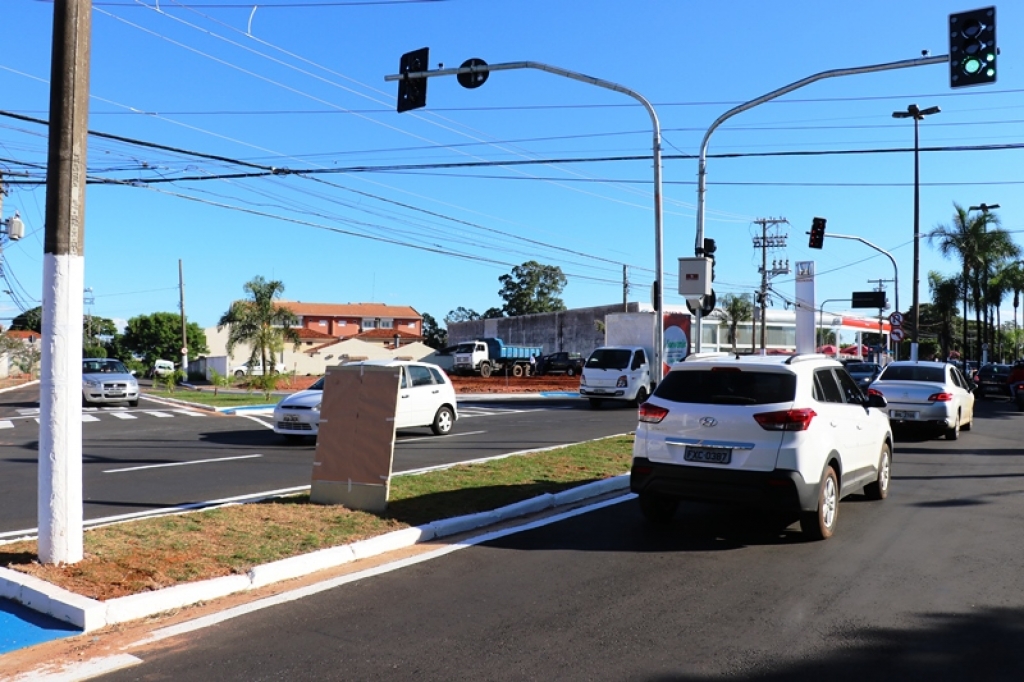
{"points": [[180, 464], [189, 413], [160, 414], [29, 411], [450, 435], [89, 418], [257, 420], [331, 583], [6, 424], [123, 415]]}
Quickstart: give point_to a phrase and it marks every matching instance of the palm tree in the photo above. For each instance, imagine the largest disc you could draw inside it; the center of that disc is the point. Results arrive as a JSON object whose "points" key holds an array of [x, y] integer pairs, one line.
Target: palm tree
{"points": [[736, 309], [964, 239], [997, 247], [260, 322], [1011, 277], [945, 295]]}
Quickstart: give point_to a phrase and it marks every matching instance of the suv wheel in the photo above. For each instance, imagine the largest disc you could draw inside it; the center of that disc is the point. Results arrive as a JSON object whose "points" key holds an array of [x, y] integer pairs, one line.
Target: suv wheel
{"points": [[658, 508], [879, 490], [821, 523]]}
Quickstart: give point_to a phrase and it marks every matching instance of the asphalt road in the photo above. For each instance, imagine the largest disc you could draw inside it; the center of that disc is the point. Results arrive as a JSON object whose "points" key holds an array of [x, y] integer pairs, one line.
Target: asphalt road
{"points": [[155, 456], [923, 586]]}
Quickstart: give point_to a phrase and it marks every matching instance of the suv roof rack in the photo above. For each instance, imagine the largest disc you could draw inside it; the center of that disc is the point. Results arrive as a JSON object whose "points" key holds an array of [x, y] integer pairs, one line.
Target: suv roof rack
{"points": [[804, 357]]}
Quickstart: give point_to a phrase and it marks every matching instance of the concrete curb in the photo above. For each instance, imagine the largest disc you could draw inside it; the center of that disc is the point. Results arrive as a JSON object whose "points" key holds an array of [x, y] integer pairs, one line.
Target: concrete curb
{"points": [[91, 614], [13, 388]]}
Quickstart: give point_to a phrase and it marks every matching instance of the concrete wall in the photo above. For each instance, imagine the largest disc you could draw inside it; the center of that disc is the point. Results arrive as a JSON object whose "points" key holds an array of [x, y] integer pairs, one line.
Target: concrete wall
{"points": [[578, 331]]}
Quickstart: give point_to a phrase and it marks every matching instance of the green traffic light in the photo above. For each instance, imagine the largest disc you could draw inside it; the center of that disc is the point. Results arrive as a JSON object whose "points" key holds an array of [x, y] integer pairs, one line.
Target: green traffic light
{"points": [[972, 66]]}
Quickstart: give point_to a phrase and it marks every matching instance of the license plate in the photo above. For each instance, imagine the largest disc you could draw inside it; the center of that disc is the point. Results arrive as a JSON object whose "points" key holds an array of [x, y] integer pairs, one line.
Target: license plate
{"points": [[708, 455], [903, 414], [291, 418]]}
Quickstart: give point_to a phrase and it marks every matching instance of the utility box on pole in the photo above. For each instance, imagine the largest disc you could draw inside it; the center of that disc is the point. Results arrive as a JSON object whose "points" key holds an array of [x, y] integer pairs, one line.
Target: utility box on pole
{"points": [[695, 280]]}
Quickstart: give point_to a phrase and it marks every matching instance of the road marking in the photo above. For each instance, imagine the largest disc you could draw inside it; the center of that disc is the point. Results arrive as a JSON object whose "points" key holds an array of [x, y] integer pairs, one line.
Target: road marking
{"points": [[123, 415], [160, 414], [450, 435], [29, 411], [257, 420], [189, 413], [180, 464], [89, 418], [6, 424]]}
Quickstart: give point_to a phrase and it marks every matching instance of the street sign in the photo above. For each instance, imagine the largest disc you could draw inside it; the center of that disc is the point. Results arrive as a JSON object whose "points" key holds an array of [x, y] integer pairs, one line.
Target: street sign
{"points": [[896, 319], [896, 334], [475, 79], [184, 350]]}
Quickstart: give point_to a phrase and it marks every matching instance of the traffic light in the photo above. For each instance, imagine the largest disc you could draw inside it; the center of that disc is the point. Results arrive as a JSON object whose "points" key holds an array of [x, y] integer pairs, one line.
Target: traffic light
{"points": [[817, 233], [412, 93], [972, 47], [709, 251]]}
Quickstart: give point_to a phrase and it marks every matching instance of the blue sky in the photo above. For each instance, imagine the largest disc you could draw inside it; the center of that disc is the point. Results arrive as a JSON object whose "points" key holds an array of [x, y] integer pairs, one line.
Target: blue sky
{"points": [[300, 85]]}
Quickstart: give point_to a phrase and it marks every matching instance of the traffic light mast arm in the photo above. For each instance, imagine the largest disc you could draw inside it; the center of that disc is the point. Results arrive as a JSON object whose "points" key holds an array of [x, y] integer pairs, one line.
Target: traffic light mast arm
{"points": [[895, 270], [659, 260]]}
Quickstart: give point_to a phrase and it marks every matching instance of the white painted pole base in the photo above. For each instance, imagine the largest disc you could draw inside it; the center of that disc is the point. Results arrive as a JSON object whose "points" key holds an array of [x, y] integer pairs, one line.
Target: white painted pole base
{"points": [[913, 352], [60, 411]]}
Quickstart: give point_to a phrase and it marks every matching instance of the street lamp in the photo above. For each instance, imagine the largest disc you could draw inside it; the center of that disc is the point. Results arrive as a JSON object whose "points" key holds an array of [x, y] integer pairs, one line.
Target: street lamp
{"points": [[984, 208], [916, 114]]}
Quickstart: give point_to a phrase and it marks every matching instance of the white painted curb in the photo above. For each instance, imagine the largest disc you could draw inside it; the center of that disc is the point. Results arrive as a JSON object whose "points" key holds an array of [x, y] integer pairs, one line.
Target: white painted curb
{"points": [[91, 614]]}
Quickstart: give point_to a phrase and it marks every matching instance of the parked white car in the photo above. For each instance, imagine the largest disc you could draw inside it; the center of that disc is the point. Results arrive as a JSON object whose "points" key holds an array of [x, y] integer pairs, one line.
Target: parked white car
{"points": [[426, 397], [927, 393], [106, 380], [257, 370], [161, 368], [792, 434]]}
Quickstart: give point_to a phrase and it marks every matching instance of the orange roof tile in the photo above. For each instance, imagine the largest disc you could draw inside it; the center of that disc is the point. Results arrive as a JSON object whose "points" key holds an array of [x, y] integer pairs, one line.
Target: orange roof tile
{"points": [[351, 310], [27, 334], [306, 334], [387, 335]]}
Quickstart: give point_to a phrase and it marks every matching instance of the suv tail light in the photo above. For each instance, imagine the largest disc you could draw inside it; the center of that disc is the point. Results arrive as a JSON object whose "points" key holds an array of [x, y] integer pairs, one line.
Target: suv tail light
{"points": [[940, 397], [786, 420], [875, 391], [652, 414]]}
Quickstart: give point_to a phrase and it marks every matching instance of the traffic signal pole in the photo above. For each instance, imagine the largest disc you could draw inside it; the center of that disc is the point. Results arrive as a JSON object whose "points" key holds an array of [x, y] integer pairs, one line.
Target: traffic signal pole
{"points": [[475, 72], [702, 159]]}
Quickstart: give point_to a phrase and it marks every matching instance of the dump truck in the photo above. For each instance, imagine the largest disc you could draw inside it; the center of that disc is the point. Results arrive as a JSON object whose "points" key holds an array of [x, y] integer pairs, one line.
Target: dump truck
{"points": [[492, 356]]}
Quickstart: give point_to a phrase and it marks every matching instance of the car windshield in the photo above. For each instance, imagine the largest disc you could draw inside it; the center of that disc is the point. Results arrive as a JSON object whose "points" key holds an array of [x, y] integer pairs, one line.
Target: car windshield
{"points": [[861, 368], [609, 358], [465, 348], [103, 367], [913, 373], [717, 387], [318, 386]]}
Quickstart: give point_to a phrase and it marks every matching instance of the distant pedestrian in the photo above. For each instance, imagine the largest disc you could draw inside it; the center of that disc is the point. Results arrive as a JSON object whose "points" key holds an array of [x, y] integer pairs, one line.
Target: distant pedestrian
{"points": [[533, 364]]}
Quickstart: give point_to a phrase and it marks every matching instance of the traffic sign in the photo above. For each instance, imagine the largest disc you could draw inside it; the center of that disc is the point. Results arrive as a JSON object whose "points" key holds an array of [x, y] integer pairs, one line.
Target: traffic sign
{"points": [[896, 334], [896, 319]]}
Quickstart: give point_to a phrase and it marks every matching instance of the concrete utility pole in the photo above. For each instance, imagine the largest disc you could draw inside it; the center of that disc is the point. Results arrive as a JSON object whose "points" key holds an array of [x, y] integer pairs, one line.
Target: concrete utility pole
{"points": [[764, 242], [880, 286], [59, 504]]}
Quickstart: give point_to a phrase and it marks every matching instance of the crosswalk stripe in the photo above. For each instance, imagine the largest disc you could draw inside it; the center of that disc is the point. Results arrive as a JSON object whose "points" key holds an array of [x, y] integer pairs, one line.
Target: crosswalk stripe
{"points": [[123, 415], [5, 424], [189, 413], [160, 414], [90, 418]]}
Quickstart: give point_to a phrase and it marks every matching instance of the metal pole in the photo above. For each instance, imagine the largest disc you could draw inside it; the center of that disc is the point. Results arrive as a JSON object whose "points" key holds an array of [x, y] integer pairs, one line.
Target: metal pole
{"points": [[702, 158], [917, 243], [184, 333], [59, 501], [895, 269], [659, 284]]}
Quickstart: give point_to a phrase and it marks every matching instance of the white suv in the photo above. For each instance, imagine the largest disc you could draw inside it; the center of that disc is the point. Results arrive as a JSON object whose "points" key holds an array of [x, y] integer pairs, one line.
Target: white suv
{"points": [[792, 434]]}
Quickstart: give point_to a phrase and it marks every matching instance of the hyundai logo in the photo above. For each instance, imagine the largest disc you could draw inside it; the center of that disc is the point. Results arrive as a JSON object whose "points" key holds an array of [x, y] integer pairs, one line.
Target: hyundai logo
{"points": [[708, 421]]}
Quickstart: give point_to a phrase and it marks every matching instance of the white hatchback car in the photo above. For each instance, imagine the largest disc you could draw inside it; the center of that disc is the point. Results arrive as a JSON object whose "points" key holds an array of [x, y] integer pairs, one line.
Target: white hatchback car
{"points": [[792, 434], [426, 397], [927, 393]]}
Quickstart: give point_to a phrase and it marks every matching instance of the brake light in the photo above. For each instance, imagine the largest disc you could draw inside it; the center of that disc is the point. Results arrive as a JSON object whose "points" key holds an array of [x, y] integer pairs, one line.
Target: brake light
{"points": [[652, 414], [875, 391], [940, 397], [786, 420]]}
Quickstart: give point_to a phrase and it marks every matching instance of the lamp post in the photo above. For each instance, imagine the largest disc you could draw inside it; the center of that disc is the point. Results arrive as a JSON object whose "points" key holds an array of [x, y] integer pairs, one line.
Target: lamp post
{"points": [[821, 314], [917, 114]]}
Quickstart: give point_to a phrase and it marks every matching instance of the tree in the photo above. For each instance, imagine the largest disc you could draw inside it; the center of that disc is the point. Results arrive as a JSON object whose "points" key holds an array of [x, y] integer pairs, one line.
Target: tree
{"points": [[736, 309], [945, 295], [93, 326], [158, 337], [30, 320], [532, 288], [433, 334], [493, 313], [461, 314], [260, 322]]}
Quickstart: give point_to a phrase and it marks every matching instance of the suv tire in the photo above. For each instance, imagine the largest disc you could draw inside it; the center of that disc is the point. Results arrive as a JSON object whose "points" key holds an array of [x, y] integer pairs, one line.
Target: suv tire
{"points": [[821, 523], [879, 490], [657, 508]]}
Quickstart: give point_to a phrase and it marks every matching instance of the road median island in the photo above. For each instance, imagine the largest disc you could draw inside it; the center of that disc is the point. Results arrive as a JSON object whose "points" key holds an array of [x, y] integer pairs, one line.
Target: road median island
{"points": [[139, 568]]}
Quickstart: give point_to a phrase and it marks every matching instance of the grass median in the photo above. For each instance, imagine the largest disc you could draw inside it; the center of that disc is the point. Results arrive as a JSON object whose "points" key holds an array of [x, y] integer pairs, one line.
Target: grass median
{"points": [[153, 553]]}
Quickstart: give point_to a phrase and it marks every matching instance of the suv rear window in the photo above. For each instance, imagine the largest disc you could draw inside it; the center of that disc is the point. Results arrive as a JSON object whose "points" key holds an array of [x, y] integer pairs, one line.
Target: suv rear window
{"points": [[727, 387]]}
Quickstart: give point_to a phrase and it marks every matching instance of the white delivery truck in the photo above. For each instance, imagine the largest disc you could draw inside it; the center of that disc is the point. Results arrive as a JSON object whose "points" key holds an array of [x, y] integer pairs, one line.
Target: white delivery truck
{"points": [[621, 369]]}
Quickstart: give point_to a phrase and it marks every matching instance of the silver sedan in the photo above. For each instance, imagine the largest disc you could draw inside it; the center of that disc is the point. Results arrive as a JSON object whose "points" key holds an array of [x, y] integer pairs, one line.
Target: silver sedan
{"points": [[927, 393]]}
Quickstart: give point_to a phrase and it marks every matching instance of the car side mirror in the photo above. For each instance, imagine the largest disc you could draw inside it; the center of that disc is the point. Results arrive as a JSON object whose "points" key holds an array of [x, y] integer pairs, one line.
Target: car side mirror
{"points": [[876, 400]]}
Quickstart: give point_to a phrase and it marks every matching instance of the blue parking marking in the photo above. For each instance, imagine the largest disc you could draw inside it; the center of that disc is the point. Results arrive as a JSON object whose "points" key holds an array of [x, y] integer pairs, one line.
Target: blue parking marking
{"points": [[21, 627]]}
